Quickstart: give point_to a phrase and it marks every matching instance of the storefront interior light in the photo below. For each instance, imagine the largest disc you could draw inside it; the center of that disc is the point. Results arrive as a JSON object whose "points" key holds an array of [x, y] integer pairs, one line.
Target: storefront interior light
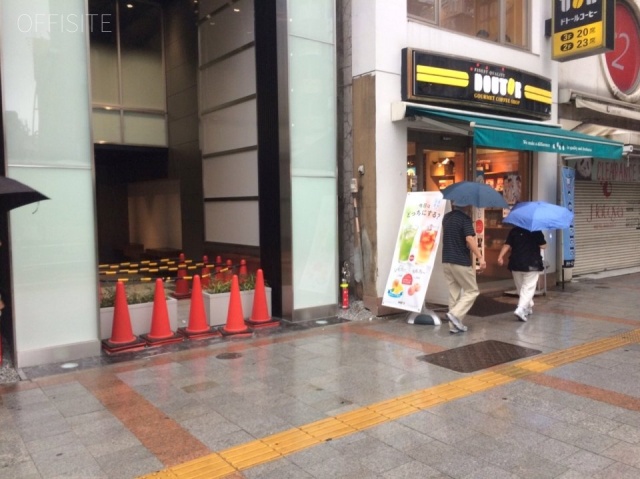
{"points": [[444, 158]]}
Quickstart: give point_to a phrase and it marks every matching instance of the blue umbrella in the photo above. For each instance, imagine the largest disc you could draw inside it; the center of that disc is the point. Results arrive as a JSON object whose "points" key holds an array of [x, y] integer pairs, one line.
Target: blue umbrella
{"points": [[539, 215], [467, 193]]}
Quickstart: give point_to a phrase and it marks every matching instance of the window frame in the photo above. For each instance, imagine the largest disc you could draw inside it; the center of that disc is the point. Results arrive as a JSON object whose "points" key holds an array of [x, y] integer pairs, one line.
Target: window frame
{"points": [[502, 25]]}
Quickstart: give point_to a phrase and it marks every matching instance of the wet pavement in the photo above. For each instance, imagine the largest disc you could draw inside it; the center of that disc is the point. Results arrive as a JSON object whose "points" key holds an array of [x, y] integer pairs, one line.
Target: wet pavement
{"points": [[352, 398]]}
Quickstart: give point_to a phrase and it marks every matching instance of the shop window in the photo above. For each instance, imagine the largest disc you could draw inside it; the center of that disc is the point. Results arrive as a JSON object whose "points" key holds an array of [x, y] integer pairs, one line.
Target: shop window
{"points": [[500, 21], [508, 172]]}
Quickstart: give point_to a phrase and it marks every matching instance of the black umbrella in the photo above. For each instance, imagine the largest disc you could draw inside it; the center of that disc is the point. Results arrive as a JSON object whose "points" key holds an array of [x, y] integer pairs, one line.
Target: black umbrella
{"points": [[467, 193], [14, 194]]}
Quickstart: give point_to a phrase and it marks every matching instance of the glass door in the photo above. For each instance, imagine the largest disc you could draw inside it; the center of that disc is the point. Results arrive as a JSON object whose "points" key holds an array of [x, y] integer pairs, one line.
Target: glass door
{"points": [[432, 166]]}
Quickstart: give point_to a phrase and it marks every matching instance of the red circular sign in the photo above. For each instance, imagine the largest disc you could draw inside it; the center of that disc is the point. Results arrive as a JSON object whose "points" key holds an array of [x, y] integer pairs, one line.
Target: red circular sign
{"points": [[623, 62], [479, 226]]}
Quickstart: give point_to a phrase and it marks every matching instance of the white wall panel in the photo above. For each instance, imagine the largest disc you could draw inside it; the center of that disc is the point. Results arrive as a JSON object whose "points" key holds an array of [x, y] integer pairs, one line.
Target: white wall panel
{"points": [[312, 20], [232, 222], [312, 104], [226, 31], [208, 6], [144, 129], [104, 87], [313, 142], [231, 175], [228, 80], [316, 233], [106, 126], [230, 128], [47, 121]]}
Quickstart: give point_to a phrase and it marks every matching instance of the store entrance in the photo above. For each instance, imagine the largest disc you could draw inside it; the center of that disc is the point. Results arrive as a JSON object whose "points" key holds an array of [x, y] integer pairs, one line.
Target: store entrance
{"points": [[435, 161]]}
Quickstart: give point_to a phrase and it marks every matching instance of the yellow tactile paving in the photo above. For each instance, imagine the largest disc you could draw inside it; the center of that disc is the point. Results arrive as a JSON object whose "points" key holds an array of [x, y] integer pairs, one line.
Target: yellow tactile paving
{"points": [[393, 408], [361, 418], [327, 429], [257, 452], [424, 400], [210, 466], [290, 441], [249, 454], [535, 366]]}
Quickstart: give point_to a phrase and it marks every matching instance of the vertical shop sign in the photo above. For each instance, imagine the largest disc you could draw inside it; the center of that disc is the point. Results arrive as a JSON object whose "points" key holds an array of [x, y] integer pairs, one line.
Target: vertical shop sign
{"points": [[415, 251], [568, 235], [582, 28]]}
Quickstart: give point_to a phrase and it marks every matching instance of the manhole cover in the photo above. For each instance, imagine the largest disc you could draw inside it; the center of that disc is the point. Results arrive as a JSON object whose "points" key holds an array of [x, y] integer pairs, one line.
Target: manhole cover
{"points": [[477, 356], [229, 356]]}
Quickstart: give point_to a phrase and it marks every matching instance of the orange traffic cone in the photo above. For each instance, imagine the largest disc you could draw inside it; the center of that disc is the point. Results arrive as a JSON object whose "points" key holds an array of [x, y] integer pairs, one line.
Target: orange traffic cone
{"points": [[235, 317], [205, 273], [182, 285], [198, 327], [122, 337], [260, 317], [160, 328]]}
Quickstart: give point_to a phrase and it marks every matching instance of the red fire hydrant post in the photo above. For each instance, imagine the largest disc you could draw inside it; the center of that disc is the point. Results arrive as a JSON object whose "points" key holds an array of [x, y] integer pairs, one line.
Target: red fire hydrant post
{"points": [[344, 284], [345, 295]]}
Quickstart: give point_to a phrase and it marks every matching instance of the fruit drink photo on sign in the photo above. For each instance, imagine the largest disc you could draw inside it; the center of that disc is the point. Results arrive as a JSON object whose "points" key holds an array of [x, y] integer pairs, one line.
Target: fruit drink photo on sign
{"points": [[415, 251]]}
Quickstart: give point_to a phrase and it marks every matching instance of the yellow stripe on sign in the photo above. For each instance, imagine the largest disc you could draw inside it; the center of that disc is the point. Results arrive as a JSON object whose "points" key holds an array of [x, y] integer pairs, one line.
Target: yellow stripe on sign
{"points": [[538, 98], [537, 94], [443, 76], [537, 91]]}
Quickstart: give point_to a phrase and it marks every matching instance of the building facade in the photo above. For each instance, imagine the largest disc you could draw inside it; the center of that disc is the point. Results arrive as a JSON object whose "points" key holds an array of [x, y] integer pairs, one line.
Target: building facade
{"points": [[286, 130], [199, 127], [428, 80], [600, 95]]}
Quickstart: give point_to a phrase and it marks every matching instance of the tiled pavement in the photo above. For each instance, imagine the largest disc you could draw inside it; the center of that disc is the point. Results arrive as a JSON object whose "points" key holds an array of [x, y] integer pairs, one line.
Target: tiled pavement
{"points": [[571, 412]]}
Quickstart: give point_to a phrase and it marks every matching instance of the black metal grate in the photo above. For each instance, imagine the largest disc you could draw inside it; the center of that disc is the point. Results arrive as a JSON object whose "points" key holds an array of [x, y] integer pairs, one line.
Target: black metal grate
{"points": [[488, 306], [477, 356]]}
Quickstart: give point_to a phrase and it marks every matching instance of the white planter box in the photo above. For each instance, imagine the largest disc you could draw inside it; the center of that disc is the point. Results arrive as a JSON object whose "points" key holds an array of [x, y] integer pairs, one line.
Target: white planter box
{"points": [[140, 318], [216, 306]]}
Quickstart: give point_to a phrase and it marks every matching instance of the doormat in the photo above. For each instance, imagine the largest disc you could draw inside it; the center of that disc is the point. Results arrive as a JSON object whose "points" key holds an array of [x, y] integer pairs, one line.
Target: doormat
{"points": [[488, 306], [477, 356]]}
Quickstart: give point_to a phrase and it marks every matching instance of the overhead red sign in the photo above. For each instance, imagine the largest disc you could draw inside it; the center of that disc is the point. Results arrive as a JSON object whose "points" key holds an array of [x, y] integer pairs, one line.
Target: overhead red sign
{"points": [[623, 62]]}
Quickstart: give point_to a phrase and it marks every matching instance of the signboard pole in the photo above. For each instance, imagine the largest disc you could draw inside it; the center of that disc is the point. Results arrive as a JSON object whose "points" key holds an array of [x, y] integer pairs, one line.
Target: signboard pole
{"points": [[568, 235]]}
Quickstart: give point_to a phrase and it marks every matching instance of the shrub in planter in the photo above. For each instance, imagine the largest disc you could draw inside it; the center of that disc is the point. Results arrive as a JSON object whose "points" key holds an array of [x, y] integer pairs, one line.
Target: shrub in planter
{"points": [[217, 295], [140, 300]]}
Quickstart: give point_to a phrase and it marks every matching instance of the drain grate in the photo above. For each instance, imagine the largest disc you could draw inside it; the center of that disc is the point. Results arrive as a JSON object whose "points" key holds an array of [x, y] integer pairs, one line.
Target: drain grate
{"points": [[228, 356], [477, 356], [488, 306]]}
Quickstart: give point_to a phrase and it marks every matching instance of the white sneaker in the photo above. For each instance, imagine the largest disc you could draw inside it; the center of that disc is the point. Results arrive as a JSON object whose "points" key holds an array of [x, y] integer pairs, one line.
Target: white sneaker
{"points": [[521, 314]]}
